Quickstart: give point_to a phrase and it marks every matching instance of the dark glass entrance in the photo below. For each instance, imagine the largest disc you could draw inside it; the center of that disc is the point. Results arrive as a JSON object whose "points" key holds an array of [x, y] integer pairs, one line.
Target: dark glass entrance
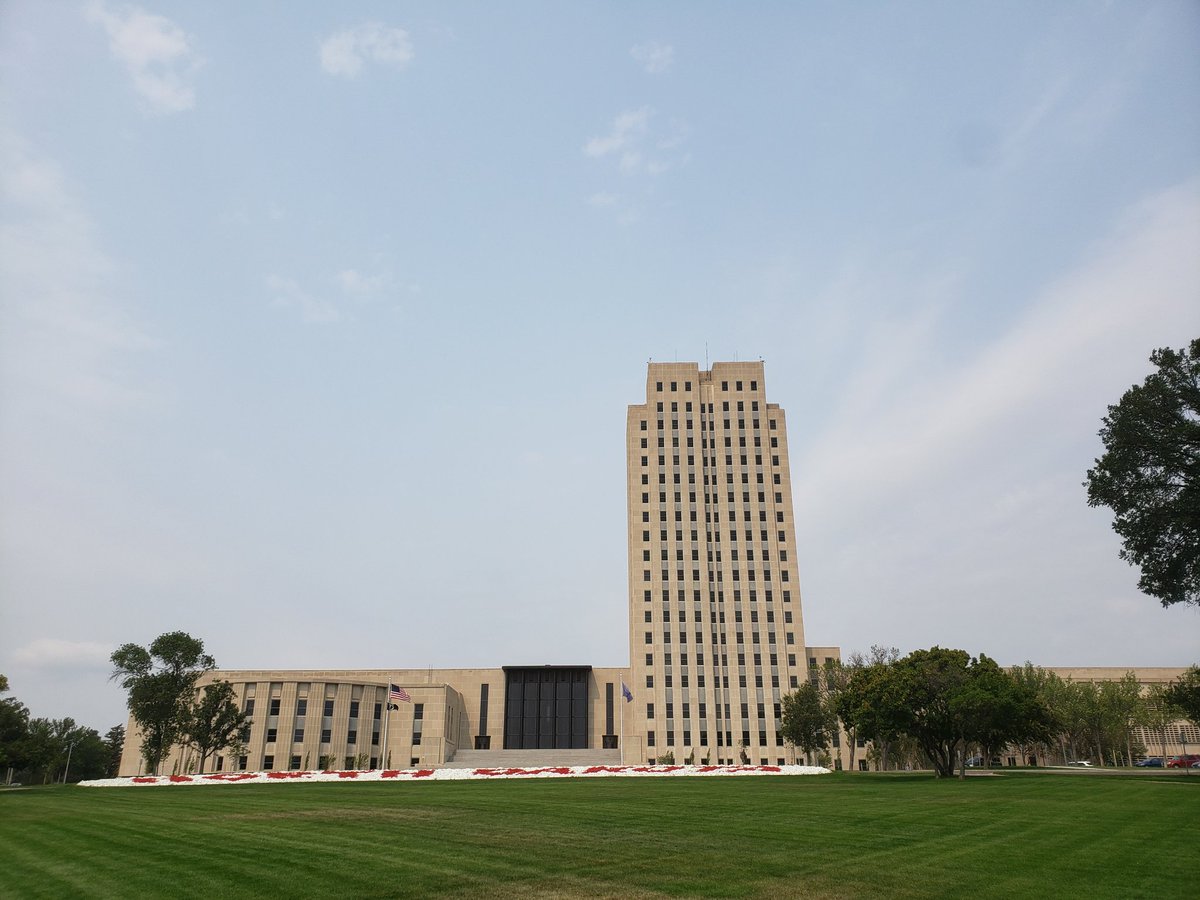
{"points": [[546, 707]]}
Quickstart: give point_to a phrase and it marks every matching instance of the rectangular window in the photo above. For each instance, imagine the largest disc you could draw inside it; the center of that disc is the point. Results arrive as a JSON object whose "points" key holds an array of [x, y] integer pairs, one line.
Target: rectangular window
{"points": [[268, 762], [271, 734], [418, 711], [298, 736], [294, 764], [352, 736], [274, 710], [328, 708], [301, 707], [326, 735]]}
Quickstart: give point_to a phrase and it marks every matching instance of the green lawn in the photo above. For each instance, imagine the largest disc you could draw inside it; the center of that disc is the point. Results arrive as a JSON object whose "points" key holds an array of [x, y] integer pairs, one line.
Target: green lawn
{"points": [[1020, 835]]}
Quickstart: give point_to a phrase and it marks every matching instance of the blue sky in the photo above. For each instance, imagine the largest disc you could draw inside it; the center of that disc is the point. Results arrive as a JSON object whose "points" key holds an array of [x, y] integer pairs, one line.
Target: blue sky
{"points": [[304, 305]]}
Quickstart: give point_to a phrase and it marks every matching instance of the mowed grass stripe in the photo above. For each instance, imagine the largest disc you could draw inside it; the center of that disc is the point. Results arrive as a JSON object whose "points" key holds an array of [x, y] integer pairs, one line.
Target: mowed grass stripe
{"points": [[907, 836]]}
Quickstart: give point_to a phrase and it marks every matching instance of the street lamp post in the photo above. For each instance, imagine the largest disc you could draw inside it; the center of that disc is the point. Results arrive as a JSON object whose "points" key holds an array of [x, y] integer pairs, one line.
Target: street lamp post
{"points": [[67, 768]]}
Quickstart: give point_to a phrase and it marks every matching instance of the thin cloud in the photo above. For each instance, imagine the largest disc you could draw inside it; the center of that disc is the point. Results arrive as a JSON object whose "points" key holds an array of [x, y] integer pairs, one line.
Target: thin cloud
{"points": [[344, 52], [654, 57], [627, 131], [288, 294], [1051, 360], [353, 281], [948, 485], [63, 337], [633, 142], [155, 52]]}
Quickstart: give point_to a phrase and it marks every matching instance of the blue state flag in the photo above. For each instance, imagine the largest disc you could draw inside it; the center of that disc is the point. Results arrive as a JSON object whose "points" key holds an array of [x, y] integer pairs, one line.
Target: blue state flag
{"points": [[626, 693]]}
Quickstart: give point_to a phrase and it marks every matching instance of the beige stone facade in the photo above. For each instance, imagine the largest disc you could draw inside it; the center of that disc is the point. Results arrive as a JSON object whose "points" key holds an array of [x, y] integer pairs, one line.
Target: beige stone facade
{"points": [[309, 719], [716, 634]]}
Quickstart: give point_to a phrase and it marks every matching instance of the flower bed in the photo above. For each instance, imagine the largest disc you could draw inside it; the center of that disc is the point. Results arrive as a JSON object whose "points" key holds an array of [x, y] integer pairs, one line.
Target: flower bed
{"points": [[451, 775]]}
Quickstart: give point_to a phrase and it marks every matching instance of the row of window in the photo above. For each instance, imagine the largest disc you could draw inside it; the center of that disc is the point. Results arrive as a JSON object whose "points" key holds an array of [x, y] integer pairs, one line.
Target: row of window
{"points": [[710, 518], [715, 537], [687, 406], [709, 427], [724, 739], [719, 616], [739, 637], [736, 573], [687, 386], [723, 661], [719, 596], [302, 707], [761, 709]]}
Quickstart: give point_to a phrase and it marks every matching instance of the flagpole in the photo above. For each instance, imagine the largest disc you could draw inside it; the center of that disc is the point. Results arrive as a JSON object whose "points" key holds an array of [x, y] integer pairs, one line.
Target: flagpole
{"points": [[621, 739], [387, 709]]}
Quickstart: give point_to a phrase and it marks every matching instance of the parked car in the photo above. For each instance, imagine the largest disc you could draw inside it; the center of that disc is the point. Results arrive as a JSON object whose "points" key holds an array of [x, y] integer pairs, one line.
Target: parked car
{"points": [[1150, 762], [1080, 763], [1183, 762]]}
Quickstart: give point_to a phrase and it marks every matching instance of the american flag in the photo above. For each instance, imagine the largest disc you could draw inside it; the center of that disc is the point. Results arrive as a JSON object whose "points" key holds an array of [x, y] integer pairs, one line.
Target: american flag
{"points": [[395, 692]]}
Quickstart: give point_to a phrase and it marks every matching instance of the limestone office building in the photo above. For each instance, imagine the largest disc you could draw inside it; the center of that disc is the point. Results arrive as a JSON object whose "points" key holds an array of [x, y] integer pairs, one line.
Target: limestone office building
{"points": [[716, 633]]}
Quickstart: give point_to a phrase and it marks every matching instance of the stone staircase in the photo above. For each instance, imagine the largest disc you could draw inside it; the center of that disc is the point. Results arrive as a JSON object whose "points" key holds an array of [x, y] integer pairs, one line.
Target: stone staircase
{"points": [[530, 759]]}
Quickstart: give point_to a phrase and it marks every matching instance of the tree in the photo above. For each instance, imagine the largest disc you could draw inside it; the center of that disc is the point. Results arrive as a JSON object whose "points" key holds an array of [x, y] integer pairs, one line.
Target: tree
{"points": [[114, 742], [1161, 714], [214, 722], [807, 722], [161, 681], [945, 701], [1149, 475], [848, 706], [1184, 693], [14, 726]]}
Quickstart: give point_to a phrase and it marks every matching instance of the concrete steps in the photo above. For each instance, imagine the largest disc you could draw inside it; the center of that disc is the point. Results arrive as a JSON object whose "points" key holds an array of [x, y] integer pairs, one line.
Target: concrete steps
{"points": [[529, 759]]}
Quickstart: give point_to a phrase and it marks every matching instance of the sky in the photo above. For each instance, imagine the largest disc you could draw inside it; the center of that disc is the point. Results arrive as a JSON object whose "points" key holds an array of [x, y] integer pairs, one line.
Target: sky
{"points": [[318, 322]]}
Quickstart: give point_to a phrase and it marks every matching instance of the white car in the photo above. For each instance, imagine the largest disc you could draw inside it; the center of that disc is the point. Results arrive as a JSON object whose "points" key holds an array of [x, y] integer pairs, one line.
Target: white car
{"points": [[1081, 763]]}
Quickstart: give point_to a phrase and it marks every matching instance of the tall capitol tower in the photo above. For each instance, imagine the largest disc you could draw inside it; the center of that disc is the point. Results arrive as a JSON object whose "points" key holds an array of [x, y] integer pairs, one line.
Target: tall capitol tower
{"points": [[716, 637]]}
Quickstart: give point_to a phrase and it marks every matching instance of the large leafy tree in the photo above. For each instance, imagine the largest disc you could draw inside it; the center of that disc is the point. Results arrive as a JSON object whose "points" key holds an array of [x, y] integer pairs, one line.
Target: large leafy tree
{"points": [[848, 704], [161, 681], [944, 700], [14, 726], [807, 722], [214, 722], [1184, 694], [1150, 475]]}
